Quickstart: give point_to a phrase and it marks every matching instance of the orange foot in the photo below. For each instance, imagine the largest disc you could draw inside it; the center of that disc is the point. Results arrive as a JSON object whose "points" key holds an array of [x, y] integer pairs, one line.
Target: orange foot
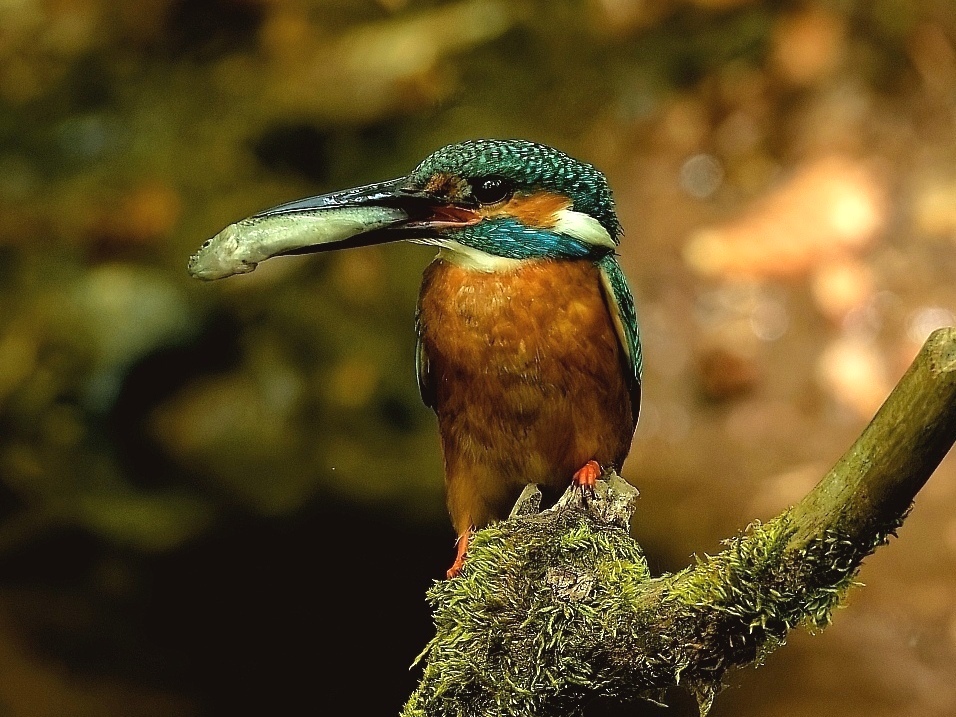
{"points": [[587, 477], [459, 563]]}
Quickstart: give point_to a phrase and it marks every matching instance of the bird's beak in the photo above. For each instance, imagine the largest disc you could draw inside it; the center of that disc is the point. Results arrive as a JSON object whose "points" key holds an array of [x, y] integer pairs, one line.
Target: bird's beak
{"points": [[373, 214]]}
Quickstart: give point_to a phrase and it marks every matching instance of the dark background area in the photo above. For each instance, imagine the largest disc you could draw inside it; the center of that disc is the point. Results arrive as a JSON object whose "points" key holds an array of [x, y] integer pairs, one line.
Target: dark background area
{"points": [[226, 499]]}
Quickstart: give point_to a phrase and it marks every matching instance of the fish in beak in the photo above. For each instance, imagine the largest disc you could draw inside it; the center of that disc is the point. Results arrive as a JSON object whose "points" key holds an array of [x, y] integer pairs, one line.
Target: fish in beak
{"points": [[373, 214]]}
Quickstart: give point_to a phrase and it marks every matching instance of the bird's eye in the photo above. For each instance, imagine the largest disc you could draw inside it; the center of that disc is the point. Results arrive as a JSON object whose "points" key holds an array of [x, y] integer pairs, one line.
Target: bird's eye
{"points": [[491, 190]]}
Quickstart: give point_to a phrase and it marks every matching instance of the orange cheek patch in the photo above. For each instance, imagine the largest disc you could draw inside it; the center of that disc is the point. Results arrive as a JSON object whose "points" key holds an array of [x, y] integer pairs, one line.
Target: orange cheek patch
{"points": [[533, 210]]}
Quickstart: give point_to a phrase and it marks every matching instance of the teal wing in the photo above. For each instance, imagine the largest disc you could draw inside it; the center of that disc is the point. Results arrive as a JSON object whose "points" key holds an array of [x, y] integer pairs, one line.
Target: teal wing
{"points": [[621, 304]]}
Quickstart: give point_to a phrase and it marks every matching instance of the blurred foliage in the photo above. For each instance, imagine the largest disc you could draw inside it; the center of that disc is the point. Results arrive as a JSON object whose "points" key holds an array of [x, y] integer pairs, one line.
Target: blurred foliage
{"points": [[784, 172]]}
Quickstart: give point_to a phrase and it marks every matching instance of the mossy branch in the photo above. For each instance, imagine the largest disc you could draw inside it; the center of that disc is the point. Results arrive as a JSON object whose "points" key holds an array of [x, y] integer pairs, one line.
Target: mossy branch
{"points": [[556, 607]]}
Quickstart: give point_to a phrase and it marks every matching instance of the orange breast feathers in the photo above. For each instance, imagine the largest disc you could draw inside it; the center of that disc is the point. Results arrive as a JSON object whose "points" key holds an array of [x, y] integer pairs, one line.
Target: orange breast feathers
{"points": [[526, 375]]}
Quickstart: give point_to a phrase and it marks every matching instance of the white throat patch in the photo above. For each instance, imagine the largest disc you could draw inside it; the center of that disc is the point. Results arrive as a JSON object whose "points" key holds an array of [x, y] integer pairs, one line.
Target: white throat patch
{"points": [[475, 259]]}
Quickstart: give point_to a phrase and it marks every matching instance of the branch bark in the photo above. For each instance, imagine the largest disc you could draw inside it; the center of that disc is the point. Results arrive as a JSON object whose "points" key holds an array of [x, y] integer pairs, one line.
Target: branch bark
{"points": [[558, 606]]}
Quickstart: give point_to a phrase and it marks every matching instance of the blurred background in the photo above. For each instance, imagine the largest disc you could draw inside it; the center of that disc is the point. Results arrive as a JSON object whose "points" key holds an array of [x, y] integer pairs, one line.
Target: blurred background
{"points": [[226, 499]]}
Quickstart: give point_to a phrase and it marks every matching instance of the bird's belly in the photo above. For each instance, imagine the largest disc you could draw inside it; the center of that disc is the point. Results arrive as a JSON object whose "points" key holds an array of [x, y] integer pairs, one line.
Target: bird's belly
{"points": [[528, 379]]}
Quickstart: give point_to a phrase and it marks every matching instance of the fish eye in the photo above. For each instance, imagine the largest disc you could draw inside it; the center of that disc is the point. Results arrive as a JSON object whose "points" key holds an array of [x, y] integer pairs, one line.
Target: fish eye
{"points": [[491, 190]]}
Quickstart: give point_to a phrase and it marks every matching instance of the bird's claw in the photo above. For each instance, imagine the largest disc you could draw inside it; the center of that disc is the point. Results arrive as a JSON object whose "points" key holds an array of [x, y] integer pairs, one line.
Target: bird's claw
{"points": [[462, 549], [586, 478]]}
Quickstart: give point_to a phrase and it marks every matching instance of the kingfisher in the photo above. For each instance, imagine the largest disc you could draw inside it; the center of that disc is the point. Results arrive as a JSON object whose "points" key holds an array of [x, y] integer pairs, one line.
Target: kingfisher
{"points": [[528, 345]]}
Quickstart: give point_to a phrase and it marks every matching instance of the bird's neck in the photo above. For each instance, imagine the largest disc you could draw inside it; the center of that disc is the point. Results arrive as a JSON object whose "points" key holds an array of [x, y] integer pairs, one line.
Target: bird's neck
{"points": [[504, 243]]}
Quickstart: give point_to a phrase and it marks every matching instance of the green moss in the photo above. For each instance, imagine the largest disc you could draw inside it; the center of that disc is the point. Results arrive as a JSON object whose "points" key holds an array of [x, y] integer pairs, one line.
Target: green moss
{"points": [[529, 587], [557, 606]]}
